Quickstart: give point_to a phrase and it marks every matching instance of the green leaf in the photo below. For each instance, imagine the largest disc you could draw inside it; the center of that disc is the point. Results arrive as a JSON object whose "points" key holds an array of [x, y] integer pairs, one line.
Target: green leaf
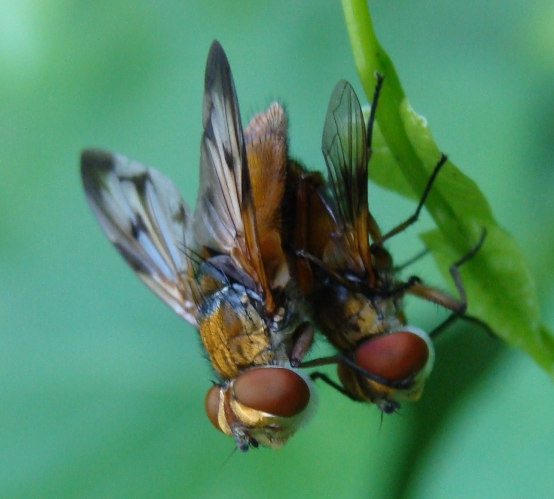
{"points": [[500, 289], [499, 286]]}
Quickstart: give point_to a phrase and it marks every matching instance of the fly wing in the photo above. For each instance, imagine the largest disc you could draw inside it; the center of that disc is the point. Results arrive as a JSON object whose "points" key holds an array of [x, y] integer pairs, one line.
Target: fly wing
{"points": [[144, 216], [225, 218], [344, 147]]}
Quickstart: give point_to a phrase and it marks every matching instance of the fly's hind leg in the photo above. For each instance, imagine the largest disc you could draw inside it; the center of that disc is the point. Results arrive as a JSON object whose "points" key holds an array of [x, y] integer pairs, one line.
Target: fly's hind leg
{"points": [[458, 306]]}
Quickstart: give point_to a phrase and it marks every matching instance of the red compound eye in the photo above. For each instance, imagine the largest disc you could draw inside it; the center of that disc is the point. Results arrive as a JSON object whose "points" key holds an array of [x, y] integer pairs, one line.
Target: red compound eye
{"points": [[393, 356], [211, 405], [277, 391]]}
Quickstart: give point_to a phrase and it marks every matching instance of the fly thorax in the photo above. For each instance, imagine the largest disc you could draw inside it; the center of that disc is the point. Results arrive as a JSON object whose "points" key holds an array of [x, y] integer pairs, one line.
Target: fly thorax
{"points": [[346, 317], [234, 331]]}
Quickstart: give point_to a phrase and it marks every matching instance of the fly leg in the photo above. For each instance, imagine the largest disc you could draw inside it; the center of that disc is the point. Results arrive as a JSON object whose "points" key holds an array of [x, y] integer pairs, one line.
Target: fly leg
{"points": [[303, 338], [456, 306], [414, 217], [333, 384], [411, 261], [347, 361]]}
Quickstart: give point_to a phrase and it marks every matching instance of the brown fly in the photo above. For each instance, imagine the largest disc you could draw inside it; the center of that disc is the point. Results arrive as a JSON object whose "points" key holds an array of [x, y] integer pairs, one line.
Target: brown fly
{"points": [[223, 268], [347, 274]]}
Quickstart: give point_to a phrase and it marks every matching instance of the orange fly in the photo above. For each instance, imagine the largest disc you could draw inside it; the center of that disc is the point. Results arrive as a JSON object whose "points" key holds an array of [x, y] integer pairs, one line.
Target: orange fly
{"points": [[223, 268]]}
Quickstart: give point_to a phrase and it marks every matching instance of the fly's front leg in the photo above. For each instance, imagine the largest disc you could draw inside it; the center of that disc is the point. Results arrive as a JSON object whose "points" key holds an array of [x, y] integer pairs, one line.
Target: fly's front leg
{"points": [[411, 261], [371, 118], [412, 219], [333, 384], [344, 359], [303, 338]]}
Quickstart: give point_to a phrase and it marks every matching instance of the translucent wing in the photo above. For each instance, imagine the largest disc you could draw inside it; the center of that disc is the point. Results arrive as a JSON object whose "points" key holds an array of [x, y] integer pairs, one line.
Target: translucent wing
{"points": [[225, 220], [144, 216], [344, 147]]}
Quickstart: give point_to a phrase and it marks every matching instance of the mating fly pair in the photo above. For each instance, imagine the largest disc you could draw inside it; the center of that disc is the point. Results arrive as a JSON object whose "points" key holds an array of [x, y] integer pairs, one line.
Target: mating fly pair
{"points": [[241, 269]]}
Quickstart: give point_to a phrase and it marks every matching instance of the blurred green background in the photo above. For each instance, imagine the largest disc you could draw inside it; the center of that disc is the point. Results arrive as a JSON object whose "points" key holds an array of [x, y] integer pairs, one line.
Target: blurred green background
{"points": [[101, 386]]}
